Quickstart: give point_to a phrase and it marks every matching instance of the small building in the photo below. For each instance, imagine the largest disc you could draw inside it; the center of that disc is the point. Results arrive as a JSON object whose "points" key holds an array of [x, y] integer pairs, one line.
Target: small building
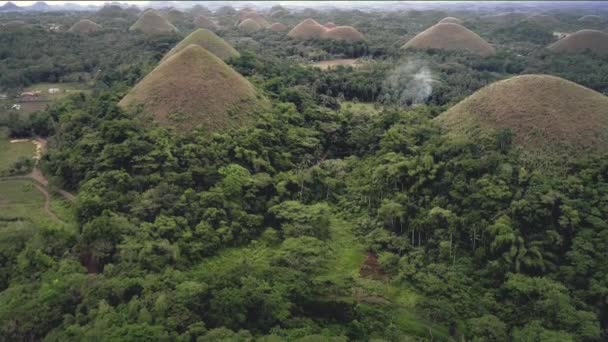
{"points": [[16, 106], [29, 96], [3, 96], [54, 90]]}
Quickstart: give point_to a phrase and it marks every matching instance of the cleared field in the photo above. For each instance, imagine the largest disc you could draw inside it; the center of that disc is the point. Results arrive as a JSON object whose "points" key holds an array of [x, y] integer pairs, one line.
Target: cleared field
{"points": [[20, 203], [326, 65], [24, 202], [11, 152], [64, 89]]}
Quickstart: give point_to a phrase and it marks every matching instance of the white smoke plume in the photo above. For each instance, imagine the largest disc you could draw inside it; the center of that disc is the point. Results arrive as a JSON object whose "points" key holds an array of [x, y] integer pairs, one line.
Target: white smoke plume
{"points": [[409, 84]]}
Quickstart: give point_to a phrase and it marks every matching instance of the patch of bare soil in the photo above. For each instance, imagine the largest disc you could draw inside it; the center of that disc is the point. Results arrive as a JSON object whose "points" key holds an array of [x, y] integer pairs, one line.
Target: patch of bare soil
{"points": [[371, 268]]}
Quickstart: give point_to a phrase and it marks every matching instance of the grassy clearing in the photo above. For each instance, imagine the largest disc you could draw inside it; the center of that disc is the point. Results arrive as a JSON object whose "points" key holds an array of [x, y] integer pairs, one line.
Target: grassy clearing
{"points": [[348, 256], [360, 107], [11, 152], [21, 205], [65, 89]]}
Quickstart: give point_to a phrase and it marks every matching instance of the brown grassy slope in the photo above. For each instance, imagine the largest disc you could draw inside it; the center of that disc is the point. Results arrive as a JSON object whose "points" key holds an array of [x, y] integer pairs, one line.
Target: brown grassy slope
{"points": [[345, 33], [249, 25], [203, 22], [307, 29], [582, 40], [209, 41], [258, 18], [279, 13], [278, 27], [84, 26], [194, 87], [330, 25], [448, 36], [451, 20], [546, 114], [150, 22]]}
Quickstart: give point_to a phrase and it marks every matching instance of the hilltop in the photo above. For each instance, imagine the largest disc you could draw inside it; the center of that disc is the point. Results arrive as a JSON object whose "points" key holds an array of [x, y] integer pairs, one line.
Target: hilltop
{"points": [[203, 22], [548, 115], [208, 40], [249, 25], [84, 26], [174, 15], [580, 41], [451, 20], [278, 27], [151, 22], [258, 18], [448, 36], [307, 29], [330, 25], [194, 87], [345, 33], [590, 19]]}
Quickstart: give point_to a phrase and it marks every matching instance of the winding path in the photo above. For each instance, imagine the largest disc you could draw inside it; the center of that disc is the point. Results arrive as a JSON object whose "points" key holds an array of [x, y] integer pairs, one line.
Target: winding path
{"points": [[40, 182]]}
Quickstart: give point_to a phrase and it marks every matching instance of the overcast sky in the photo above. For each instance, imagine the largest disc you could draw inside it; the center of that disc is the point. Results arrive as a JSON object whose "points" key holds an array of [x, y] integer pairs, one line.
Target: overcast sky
{"points": [[27, 3]]}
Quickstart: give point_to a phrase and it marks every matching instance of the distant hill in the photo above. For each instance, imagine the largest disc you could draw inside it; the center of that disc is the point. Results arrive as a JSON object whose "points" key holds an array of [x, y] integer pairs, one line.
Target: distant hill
{"points": [[39, 6], [202, 21], [448, 36], [249, 26], [307, 29], [194, 87], [208, 40], [343, 33], [10, 7], [590, 19], [549, 116], [258, 18], [174, 16], [84, 26], [583, 40], [451, 20], [278, 27], [151, 22]]}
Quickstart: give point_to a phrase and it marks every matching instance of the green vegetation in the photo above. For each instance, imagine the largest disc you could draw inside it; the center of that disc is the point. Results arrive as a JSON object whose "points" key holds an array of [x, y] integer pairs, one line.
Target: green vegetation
{"points": [[14, 157], [267, 200]]}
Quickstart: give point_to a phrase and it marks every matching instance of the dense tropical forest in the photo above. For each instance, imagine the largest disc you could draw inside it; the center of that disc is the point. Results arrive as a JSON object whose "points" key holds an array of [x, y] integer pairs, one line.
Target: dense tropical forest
{"points": [[344, 211]]}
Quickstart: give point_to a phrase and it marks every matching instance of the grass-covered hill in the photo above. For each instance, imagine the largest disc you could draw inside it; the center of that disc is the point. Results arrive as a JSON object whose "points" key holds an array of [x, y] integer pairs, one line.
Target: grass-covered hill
{"points": [[583, 40], [549, 117], [450, 36], [194, 87], [209, 41], [84, 26], [152, 22]]}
